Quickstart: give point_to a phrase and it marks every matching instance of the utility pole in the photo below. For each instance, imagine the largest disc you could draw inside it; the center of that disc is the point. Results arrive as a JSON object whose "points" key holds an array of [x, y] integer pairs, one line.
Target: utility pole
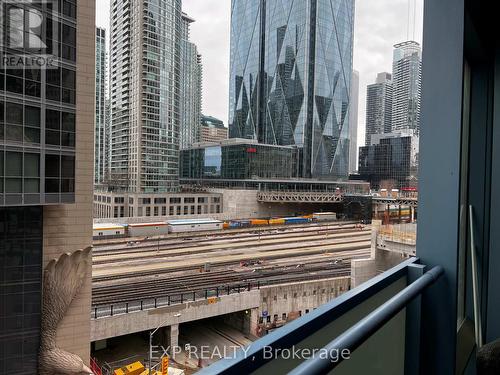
{"points": [[151, 351]]}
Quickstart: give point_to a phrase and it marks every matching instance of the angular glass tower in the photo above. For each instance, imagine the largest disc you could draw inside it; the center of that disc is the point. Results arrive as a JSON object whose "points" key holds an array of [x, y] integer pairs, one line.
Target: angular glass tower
{"points": [[291, 66]]}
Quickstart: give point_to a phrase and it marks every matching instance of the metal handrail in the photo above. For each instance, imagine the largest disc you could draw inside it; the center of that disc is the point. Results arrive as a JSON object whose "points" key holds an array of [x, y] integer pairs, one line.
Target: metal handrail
{"points": [[366, 327], [475, 288], [187, 296]]}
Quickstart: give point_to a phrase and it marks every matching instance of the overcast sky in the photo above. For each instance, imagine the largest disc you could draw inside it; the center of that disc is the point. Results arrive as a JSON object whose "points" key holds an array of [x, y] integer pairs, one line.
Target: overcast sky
{"points": [[379, 24]]}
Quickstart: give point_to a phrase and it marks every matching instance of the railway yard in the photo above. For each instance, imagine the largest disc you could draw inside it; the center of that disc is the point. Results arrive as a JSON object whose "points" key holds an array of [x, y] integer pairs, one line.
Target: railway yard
{"points": [[193, 265]]}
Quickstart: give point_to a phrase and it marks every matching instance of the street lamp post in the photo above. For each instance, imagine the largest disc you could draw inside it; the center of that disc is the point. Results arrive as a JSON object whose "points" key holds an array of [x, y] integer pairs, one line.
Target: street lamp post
{"points": [[151, 334]]}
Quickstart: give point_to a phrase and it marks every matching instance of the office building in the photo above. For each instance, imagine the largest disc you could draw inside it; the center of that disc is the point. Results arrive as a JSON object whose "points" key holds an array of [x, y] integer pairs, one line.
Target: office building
{"points": [[100, 146], [390, 161], [145, 92], [379, 97], [191, 87], [353, 122], [46, 177], [406, 81], [290, 64], [212, 129], [239, 159]]}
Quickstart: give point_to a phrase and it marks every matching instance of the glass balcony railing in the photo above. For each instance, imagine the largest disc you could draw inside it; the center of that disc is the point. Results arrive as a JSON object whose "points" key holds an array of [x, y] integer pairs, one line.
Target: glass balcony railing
{"points": [[371, 329]]}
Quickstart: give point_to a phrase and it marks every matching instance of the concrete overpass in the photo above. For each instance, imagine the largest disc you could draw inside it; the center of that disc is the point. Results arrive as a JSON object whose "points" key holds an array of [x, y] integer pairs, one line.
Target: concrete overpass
{"points": [[171, 316]]}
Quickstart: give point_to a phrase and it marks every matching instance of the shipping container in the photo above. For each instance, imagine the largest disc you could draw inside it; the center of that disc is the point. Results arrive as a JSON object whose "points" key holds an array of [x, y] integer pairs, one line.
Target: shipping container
{"points": [[295, 220], [258, 222], [277, 221]]}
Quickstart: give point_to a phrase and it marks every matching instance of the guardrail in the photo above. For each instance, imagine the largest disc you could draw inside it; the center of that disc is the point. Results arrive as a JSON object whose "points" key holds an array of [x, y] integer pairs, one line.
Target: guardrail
{"points": [[309, 326], [118, 308], [366, 327]]}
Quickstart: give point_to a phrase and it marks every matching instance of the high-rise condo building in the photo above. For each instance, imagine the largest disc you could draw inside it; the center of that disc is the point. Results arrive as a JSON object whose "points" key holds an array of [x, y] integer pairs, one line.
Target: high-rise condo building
{"points": [[353, 122], [145, 95], [46, 178], [100, 146], [379, 96], [191, 85], [290, 78], [406, 80]]}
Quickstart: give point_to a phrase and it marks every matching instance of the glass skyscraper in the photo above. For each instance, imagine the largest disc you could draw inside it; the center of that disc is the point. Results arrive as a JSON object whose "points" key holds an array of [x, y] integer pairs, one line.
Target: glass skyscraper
{"points": [[291, 66]]}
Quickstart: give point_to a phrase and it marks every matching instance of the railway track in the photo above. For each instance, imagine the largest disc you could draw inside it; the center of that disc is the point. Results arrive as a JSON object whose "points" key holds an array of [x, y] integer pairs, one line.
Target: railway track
{"points": [[213, 248], [226, 233], [193, 285], [215, 237], [172, 267]]}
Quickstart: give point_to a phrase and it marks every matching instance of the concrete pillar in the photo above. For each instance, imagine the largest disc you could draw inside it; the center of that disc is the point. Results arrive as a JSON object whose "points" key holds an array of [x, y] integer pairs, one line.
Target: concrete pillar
{"points": [[375, 228], [412, 214], [169, 337]]}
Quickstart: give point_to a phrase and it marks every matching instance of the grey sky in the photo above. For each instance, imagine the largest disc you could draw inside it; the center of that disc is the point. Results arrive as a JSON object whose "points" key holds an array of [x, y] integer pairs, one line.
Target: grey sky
{"points": [[379, 24]]}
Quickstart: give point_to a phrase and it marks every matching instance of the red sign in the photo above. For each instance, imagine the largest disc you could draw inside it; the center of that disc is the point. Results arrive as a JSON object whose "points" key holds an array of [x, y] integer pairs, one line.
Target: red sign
{"points": [[252, 150]]}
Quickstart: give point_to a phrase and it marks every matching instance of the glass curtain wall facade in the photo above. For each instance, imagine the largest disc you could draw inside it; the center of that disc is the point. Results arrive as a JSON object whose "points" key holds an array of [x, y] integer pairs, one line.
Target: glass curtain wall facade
{"points": [[145, 95], [240, 161], [37, 119], [290, 78], [390, 163], [100, 145], [37, 160], [20, 288]]}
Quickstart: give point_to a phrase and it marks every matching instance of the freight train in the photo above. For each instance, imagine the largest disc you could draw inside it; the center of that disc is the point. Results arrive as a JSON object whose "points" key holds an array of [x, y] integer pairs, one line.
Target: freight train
{"points": [[103, 231]]}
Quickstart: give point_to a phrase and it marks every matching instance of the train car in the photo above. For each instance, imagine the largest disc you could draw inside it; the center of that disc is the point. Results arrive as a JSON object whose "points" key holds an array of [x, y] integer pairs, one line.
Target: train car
{"points": [[108, 231], [259, 222], [295, 220], [279, 221], [147, 229], [194, 225], [324, 216], [241, 224]]}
